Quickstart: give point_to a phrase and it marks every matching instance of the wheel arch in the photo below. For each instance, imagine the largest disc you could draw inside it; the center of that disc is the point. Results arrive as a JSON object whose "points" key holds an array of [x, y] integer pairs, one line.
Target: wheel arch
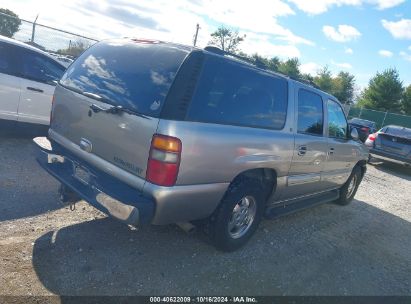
{"points": [[267, 177], [362, 164]]}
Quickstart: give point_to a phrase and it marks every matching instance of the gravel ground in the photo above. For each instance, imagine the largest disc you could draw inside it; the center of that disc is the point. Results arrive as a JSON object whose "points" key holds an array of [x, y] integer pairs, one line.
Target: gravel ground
{"points": [[360, 249]]}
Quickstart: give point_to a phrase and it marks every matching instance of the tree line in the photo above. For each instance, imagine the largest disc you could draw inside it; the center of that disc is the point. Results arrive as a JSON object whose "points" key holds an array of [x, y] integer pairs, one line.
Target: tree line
{"points": [[385, 90]]}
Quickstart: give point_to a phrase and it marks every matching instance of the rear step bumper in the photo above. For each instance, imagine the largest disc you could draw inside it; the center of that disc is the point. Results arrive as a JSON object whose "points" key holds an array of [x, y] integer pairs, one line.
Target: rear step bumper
{"points": [[390, 157], [101, 190]]}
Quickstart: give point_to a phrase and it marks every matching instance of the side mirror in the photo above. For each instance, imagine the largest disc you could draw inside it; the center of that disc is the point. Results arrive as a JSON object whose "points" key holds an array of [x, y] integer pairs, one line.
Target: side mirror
{"points": [[354, 133]]}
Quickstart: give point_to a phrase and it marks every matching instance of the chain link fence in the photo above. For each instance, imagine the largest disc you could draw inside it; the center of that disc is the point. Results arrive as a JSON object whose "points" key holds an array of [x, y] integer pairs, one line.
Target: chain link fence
{"points": [[49, 39], [380, 118]]}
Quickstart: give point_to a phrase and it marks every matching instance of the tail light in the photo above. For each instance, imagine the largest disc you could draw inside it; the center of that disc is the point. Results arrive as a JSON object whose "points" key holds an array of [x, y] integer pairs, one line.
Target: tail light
{"points": [[51, 111], [372, 137], [164, 160]]}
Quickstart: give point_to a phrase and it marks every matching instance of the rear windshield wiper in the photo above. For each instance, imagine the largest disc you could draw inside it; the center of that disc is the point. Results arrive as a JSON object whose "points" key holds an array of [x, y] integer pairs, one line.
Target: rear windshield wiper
{"points": [[114, 109]]}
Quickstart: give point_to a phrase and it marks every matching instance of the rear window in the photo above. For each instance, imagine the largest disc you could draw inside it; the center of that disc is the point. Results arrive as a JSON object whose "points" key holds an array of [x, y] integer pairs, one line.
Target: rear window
{"points": [[362, 122], [134, 75], [232, 93]]}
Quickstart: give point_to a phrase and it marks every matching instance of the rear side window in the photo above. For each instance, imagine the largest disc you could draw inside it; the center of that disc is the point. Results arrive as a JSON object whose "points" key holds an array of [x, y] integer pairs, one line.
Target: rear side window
{"points": [[40, 68], [7, 63], [231, 93], [134, 75], [310, 113]]}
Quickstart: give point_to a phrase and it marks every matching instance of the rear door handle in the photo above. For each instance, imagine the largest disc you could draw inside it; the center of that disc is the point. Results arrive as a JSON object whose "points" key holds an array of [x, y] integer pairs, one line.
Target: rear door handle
{"points": [[35, 89], [302, 150]]}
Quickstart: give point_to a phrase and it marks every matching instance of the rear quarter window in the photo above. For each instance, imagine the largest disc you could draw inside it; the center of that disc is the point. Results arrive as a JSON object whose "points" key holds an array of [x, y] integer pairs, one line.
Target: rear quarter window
{"points": [[134, 75], [234, 94]]}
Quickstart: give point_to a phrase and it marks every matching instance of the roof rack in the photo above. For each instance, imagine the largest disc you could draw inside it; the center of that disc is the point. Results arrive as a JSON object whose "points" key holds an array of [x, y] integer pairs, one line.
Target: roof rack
{"points": [[257, 63], [218, 51], [305, 81]]}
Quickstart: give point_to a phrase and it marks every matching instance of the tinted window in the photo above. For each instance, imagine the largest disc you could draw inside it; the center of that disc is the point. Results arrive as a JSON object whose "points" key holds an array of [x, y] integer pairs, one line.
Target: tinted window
{"points": [[362, 122], [400, 132], [310, 113], [231, 93], [39, 67], [134, 75], [7, 65], [337, 124]]}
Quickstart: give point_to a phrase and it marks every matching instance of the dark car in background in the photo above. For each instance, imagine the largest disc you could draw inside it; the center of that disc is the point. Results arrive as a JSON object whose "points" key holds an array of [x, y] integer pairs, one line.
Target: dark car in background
{"points": [[391, 143], [364, 127]]}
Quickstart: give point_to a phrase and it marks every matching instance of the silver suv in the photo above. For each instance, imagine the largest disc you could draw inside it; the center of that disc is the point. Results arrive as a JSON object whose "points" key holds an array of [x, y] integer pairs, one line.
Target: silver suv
{"points": [[157, 133]]}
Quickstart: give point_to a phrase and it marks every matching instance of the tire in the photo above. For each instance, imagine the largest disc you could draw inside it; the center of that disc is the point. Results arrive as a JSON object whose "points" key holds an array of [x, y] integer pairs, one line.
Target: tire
{"points": [[230, 227], [348, 191]]}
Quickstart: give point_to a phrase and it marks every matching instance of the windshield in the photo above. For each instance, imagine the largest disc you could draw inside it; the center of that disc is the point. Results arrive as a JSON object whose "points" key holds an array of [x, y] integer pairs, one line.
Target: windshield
{"points": [[136, 76]]}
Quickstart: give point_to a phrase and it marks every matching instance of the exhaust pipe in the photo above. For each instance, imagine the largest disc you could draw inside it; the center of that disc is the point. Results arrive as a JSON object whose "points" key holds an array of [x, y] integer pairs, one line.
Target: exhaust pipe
{"points": [[187, 227]]}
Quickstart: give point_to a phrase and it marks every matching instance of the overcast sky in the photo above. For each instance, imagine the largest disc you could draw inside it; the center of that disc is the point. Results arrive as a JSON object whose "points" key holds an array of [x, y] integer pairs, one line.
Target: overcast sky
{"points": [[358, 36]]}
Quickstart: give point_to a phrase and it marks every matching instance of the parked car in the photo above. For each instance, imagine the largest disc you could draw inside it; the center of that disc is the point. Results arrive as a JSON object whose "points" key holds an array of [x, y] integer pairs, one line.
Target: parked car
{"points": [[153, 132], [364, 127], [392, 144], [28, 77]]}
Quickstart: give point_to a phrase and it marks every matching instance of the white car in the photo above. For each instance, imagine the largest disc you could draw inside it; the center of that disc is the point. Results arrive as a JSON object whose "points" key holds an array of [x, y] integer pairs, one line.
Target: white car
{"points": [[28, 77]]}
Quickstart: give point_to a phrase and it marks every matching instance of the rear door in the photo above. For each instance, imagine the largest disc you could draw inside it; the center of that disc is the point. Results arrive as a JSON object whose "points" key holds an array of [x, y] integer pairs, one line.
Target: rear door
{"points": [[309, 148], [39, 78], [126, 73], [9, 83], [341, 154]]}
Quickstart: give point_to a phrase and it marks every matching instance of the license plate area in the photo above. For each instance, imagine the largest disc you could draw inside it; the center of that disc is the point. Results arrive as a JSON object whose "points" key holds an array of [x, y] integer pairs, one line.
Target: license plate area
{"points": [[81, 174]]}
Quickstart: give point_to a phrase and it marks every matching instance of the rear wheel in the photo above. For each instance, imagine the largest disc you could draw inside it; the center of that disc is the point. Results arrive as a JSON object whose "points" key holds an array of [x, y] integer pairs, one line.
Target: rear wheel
{"points": [[238, 216], [348, 191]]}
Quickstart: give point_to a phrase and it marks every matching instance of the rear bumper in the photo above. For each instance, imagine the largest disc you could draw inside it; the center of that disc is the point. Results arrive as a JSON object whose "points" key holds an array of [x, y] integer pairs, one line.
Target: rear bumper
{"points": [[390, 157], [102, 191], [111, 195]]}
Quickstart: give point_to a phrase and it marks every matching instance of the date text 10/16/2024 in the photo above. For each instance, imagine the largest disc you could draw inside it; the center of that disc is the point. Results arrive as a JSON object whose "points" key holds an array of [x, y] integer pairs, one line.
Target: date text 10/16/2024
{"points": [[203, 300]]}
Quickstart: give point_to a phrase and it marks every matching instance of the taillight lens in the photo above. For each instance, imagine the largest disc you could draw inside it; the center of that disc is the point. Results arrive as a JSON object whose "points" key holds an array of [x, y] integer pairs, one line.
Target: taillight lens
{"points": [[51, 111], [372, 137], [164, 160]]}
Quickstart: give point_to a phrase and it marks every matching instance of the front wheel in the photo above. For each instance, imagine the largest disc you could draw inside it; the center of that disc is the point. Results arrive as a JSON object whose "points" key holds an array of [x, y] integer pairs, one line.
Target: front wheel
{"points": [[348, 191], [238, 216]]}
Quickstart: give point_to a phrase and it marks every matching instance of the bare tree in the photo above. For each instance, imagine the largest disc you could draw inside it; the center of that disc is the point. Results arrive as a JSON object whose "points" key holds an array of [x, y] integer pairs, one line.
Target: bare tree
{"points": [[76, 47], [227, 39]]}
